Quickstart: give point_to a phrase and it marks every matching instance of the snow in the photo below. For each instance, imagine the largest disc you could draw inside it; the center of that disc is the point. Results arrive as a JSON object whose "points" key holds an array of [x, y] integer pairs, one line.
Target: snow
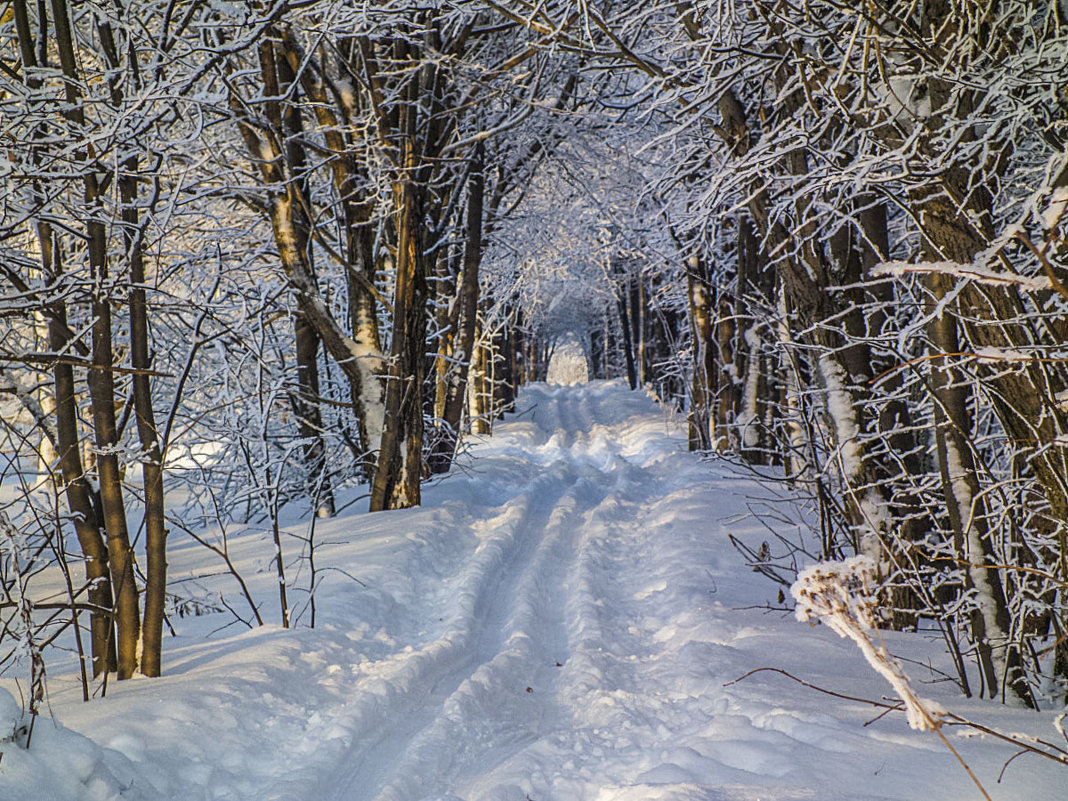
{"points": [[976, 270], [370, 361], [564, 618], [749, 418], [840, 409], [568, 363], [1053, 213], [989, 353], [983, 597]]}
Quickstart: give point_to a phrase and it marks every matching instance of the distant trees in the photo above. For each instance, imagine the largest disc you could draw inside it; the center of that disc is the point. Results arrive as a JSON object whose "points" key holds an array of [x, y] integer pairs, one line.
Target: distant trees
{"points": [[379, 122]]}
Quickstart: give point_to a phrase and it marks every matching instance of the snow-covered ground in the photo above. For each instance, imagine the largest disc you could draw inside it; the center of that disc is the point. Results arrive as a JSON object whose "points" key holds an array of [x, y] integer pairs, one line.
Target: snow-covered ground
{"points": [[562, 619]]}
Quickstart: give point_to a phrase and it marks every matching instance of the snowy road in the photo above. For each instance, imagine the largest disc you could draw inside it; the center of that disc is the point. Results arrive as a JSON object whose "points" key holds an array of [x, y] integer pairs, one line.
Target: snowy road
{"points": [[516, 685], [560, 621]]}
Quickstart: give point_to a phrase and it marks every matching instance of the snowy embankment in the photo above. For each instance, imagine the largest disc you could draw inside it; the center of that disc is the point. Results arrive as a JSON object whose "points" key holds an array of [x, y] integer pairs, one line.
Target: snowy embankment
{"points": [[559, 621]]}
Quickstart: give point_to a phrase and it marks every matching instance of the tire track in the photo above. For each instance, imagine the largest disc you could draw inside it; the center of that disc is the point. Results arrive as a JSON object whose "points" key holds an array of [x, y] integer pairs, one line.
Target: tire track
{"points": [[490, 684], [394, 709]]}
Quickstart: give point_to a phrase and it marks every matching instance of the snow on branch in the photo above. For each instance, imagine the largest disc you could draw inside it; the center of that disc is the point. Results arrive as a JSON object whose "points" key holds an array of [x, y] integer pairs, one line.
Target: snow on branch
{"points": [[990, 353], [974, 271], [1058, 204], [840, 594]]}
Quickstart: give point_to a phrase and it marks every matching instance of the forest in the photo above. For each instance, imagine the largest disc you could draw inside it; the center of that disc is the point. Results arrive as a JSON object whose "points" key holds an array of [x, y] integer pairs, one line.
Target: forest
{"points": [[255, 254]]}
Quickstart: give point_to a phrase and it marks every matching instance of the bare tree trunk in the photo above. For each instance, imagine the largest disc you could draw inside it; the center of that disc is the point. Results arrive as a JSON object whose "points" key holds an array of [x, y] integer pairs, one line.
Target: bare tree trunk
{"points": [[309, 416], [596, 346], [79, 493], [625, 326], [609, 344], [60, 340], [503, 382], [479, 393], [152, 460], [446, 320], [356, 224], [400, 463], [100, 378], [358, 356], [102, 394], [463, 352], [637, 317], [740, 394], [804, 278], [702, 395], [396, 483], [286, 118], [998, 657]]}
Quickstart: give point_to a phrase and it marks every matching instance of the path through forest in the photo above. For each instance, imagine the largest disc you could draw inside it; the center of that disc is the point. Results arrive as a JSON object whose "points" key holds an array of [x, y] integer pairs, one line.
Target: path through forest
{"points": [[562, 620]]}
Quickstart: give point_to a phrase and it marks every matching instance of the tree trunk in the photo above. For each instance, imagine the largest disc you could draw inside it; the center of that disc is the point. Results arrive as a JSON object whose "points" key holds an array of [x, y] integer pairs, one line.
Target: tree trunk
{"points": [[102, 395], [596, 346], [625, 326], [804, 278], [286, 118], [702, 396], [479, 393], [396, 483], [358, 231], [358, 356], [638, 321], [503, 381], [400, 465], [100, 377], [152, 460], [68, 442], [309, 417], [78, 491], [463, 351], [998, 657]]}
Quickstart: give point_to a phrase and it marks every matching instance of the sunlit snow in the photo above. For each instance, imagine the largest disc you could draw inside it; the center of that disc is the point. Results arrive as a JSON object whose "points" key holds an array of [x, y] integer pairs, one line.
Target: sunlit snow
{"points": [[564, 619]]}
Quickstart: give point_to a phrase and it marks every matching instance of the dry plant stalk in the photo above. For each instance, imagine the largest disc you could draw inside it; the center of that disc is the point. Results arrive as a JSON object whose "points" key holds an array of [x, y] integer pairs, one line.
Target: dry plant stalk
{"points": [[841, 594]]}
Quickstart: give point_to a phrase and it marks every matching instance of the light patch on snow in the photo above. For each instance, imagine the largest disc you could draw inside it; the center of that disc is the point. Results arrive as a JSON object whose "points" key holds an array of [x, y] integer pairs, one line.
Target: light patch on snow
{"points": [[568, 364]]}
